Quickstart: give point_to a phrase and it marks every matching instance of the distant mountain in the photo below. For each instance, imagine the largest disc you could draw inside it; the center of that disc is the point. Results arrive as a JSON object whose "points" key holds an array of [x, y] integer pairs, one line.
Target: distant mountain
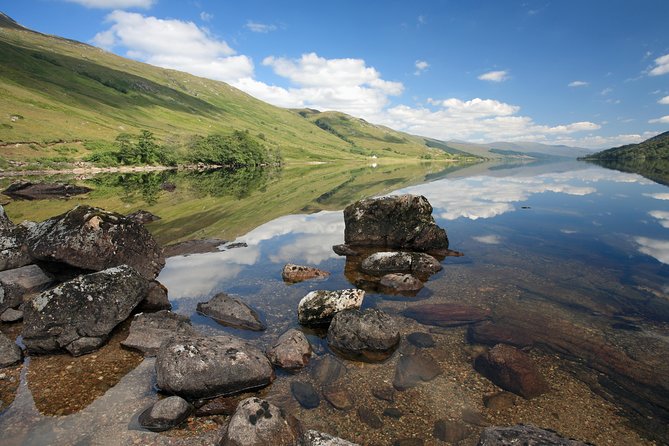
{"points": [[561, 151], [649, 158]]}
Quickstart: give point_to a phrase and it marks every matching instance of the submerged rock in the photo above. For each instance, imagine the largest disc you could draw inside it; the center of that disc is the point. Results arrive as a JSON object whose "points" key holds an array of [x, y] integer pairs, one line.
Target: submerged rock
{"points": [[368, 417], [305, 394], [165, 414], [10, 353], [449, 431], [421, 340], [370, 335], [387, 262], [400, 282], [79, 315], [411, 370], [204, 367], [319, 307], [291, 351], [231, 311], [95, 239], [403, 222], [44, 191], [297, 273], [447, 314], [17, 283], [314, 438], [149, 330], [339, 397], [512, 370], [257, 422], [327, 370], [523, 434]]}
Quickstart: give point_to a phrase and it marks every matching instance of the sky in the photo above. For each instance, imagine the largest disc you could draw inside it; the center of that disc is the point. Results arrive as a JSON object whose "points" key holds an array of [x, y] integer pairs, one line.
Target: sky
{"points": [[586, 73]]}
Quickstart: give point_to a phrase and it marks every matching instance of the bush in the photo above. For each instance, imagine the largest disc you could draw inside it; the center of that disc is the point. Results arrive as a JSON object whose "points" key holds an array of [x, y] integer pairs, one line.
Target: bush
{"points": [[234, 150]]}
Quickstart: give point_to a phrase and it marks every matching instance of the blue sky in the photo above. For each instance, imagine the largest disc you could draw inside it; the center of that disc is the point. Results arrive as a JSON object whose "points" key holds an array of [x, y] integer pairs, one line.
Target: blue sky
{"points": [[587, 73]]}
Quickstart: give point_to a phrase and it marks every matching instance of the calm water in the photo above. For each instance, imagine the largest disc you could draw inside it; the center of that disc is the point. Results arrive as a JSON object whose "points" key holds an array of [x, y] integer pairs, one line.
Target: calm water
{"points": [[572, 257]]}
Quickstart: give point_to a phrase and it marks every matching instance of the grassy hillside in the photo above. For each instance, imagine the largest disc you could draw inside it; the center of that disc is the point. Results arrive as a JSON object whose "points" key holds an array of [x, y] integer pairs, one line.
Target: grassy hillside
{"points": [[59, 96]]}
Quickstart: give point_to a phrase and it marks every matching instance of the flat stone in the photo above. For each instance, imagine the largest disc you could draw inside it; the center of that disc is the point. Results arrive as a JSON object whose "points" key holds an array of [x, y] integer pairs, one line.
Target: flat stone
{"points": [[393, 412], [369, 418], [385, 393], [327, 370], [11, 315], [18, 283], [525, 435], [305, 394], [411, 370], [344, 250], [447, 314], [149, 330], [292, 273], [291, 351], [449, 431], [401, 282], [340, 399], [499, 401], [165, 414], [369, 335], [389, 262], [257, 422], [319, 307], [10, 353], [231, 311], [421, 340]]}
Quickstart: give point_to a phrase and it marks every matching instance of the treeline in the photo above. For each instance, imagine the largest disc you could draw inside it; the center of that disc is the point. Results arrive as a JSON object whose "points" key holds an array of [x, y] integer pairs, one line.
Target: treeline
{"points": [[237, 149]]}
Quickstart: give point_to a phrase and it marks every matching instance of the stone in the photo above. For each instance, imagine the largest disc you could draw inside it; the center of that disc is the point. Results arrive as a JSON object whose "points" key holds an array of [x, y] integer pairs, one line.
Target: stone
{"points": [[319, 307], [165, 414], [305, 394], [231, 311], [524, 434], [449, 431], [421, 340], [369, 335], [11, 315], [369, 418], [25, 190], [17, 283], [387, 262], [340, 398], [327, 370], [401, 282], [156, 298], [403, 222], [411, 370], [291, 351], [94, 239], [499, 401], [222, 405], [344, 250], [13, 250], [384, 392], [142, 217], [205, 367], [79, 315], [471, 416], [194, 247], [393, 412], [257, 422], [512, 370], [315, 438], [149, 330], [292, 273], [446, 314], [10, 353]]}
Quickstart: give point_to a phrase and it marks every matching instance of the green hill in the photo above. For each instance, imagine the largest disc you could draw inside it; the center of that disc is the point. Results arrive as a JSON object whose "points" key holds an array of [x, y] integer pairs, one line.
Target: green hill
{"points": [[60, 99], [649, 158]]}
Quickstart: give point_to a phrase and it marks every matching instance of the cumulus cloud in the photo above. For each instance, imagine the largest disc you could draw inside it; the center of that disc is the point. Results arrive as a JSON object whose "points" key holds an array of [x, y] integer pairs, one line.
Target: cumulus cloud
{"points": [[662, 120], [664, 100], [606, 91], [206, 17], [174, 44], [421, 66], [661, 66], [578, 84], [495, 76], [259, 27], [114, 4]]}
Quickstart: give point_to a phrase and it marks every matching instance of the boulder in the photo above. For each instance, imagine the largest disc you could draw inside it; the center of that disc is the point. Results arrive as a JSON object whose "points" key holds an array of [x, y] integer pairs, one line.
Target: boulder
{"points": [[401, 282], [257, 422], [231, 311], [315, 438], [149, 330], [370, 335], [10, 353], [13, 250], [94, 239], [142, 217], [402, 222], [411, 370], [291, 351], [156, 298], [165, 414], [19, 282], [446, 314], [319, 307], [524, 434], [80, 314], [292, 273], [26, 190], [512, 370], [387, 262], [204, 367]]}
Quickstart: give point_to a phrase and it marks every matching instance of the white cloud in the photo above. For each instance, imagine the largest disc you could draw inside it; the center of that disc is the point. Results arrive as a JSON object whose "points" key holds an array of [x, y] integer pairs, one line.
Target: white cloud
{"points": [[578, 84], [654, 248], [495, 76], [664, 100], [206, 17], [488, 239], [174, 44], [662, 120], [421, 66], [661, 66], [259, 27], [659, 196], [606, 91], [114, 4]]}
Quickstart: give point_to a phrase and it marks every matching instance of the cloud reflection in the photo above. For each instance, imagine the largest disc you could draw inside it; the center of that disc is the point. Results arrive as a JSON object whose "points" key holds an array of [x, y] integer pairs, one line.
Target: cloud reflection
{"points": [[488, 239], [654, 248], [661, 216]]}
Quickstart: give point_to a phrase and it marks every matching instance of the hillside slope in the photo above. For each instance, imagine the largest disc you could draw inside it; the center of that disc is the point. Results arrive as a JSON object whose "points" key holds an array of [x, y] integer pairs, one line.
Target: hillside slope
{"points": [[58, 90]]}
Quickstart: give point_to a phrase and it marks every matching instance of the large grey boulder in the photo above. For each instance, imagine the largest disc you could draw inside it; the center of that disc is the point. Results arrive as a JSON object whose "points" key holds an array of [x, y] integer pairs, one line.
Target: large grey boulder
{"points": [[19, 282], [403, 222], [231, 311], [370, 335], [204, 367], [319, 307], [524, 434], [257, 422], [80, 314], [291, 351], [10, 353], [418, 263], [13, 251], [165, 414], [149, 330], [94, 239]]}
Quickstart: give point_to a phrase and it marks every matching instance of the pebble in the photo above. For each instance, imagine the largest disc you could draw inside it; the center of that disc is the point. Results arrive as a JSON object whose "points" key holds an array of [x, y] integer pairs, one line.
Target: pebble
{"points": [[339, 398], [385, 393], [369, 418], [393, 412], [449, 431], [305, 394], [420, 339]]}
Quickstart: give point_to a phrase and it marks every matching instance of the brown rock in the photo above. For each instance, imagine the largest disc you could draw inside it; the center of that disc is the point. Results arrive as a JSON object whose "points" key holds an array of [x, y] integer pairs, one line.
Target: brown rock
{"points": [[411, 370], [297, 273], [291, 351], [447, 314], [449, 431], [340, 398]]}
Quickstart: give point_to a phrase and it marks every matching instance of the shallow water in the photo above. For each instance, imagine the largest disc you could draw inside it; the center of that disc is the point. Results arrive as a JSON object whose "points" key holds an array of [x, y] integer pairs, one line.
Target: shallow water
{"points": [[572, 257]]}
